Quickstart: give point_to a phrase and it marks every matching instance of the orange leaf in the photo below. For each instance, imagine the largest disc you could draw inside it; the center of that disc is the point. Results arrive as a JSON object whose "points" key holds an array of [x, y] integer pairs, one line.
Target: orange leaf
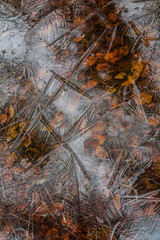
{"points": [[12, 136], [59, 206], [101, 152], [11, 111], [100, 55], [91, 60], [52, 234], [117, 201], [111, 57], [102, 67], [67, 220], [11, 129], [145, 98], [138, 67], [65, 236], [10, 159], [100, 138], [78, 21], [78, 39], [3, 118], [27, 142], [154, 121], [90, 84], [112, 16]]}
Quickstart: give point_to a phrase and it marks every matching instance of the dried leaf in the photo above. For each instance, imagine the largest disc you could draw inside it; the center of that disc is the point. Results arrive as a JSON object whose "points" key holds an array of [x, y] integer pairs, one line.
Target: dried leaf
{"points": [[101, 152], [102, 67], [52, 234], [65, 236], [78, 21], [154, 121], [3, 118], [67, 220], [78, 39], [10, 159], [12, 136], [27, 142], [144, 98], [120, 75], [112, 16], [59, 206], [117, 201], [91, 60], [90, 84], [34, 150], [11, 111], [11, 129]]}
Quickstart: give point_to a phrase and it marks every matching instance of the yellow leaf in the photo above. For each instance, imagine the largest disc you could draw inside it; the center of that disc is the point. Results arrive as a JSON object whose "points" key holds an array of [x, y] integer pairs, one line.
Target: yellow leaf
{"points": [[111, 90], [131, 80], [11, 111], [12, 136], [120, 75], [11, 129]]}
